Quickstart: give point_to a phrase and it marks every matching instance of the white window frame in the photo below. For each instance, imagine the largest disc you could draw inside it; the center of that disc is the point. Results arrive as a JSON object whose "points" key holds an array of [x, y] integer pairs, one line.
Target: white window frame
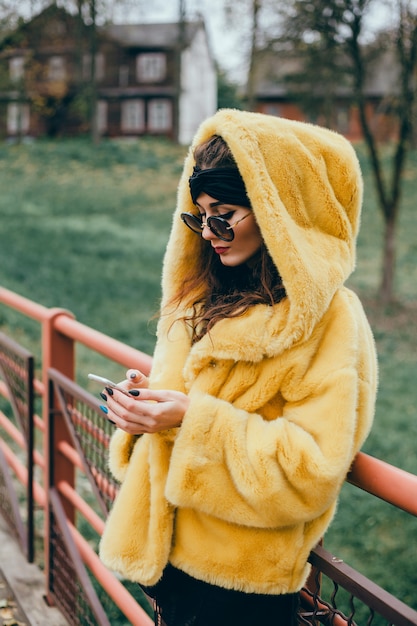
{"points": [[151, 67], [16, 68], [16, 110], [123, 75], [56, 68], [133, 115], [102, 109], [159, 115], [99, 68]]}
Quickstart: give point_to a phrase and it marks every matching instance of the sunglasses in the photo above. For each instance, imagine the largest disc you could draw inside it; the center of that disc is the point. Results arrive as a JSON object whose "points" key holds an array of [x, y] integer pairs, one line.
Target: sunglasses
{"points": [[220, 227]]}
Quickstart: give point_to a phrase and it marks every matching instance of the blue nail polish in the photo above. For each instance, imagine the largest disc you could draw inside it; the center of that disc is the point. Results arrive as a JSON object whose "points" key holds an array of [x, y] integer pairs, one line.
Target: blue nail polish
{"points": [[104, 409]]}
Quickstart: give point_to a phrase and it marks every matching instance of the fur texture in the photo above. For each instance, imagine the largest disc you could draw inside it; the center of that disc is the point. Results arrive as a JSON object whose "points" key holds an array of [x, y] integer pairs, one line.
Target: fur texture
{"points": [[282, 397]]}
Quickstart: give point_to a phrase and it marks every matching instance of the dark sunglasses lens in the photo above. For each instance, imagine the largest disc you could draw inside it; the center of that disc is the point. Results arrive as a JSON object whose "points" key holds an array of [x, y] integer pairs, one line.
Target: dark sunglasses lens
{"points": [[192, 222], [220, 228]]}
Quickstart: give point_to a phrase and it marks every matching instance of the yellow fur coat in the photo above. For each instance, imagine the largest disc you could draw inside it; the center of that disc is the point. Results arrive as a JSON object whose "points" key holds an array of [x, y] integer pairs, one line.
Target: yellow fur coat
{"points": [[282, 397]]}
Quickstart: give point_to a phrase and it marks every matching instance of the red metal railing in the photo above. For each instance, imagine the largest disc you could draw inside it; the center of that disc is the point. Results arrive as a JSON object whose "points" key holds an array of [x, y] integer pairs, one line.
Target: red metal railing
{"points": [[74, 438], [58, 459]]}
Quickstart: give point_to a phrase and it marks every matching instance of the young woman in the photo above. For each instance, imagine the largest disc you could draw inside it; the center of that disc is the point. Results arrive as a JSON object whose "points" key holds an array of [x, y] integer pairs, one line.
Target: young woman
{"points": [[232, 455]]}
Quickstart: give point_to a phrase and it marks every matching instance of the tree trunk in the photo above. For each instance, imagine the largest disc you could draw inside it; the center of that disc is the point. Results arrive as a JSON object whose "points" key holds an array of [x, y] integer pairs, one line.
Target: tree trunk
{"points": [[386, 289], [180, 47], [95, 136], [254, 57]]}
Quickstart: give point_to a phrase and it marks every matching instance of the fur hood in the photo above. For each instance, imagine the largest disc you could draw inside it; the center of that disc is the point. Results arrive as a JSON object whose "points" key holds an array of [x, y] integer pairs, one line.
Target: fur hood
{"points": [[305, 187]]}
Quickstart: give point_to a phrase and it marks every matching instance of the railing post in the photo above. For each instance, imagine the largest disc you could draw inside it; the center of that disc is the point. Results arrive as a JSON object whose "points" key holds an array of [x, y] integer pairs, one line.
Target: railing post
{"points": [[58, 351]]}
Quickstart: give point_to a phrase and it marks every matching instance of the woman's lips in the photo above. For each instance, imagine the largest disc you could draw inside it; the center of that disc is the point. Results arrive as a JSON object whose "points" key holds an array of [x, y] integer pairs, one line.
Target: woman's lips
{"points": [[220, 250]]}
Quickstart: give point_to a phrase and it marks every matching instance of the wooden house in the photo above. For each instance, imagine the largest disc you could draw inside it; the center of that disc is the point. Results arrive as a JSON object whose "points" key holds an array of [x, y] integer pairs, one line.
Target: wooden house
{"points": [[278, 92], [140, 79]]}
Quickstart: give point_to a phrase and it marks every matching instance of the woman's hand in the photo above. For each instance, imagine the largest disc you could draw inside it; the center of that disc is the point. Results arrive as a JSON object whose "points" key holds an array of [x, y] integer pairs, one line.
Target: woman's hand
{"points": [[147, 411], [135, 379]]}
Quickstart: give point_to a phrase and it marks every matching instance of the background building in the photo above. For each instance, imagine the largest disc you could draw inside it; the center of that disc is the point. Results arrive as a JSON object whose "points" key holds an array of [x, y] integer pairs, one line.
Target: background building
{"points": [[60, 76]]}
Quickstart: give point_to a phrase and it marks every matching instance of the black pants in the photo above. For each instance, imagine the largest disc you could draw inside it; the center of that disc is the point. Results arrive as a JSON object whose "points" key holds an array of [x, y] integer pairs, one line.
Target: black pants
{"points": [[183, 600]]}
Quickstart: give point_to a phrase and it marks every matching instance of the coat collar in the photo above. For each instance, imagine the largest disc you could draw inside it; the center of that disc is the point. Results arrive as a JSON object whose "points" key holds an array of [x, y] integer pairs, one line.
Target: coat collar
{"points": [[261, 332]]}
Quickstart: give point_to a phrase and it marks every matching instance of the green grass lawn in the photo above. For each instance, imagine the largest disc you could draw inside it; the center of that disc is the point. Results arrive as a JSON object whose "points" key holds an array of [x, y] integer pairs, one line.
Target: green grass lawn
{"points": [[85, 228]]}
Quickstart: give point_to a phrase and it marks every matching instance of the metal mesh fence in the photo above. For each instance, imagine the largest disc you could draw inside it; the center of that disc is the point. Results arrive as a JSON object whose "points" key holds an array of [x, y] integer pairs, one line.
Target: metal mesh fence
{"points": [[16, 503]]}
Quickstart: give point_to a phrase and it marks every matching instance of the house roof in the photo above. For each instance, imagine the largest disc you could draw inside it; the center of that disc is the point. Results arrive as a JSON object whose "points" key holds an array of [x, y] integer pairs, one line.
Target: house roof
{"points": [[275, 68], [151, 35]]}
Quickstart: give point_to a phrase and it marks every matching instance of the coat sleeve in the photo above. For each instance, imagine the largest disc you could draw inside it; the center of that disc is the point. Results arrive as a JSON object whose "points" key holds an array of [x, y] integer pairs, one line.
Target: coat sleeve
{"points": [[162, 376], [237, 466]]}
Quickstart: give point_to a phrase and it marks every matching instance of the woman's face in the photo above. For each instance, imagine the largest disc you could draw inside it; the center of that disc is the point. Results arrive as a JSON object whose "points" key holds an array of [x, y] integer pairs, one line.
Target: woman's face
{"points": [[247, 239]]}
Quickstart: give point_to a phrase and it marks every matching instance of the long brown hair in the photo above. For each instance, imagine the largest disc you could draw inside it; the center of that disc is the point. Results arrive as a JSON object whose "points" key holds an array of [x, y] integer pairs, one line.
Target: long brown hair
{"points": [[225, 291]]}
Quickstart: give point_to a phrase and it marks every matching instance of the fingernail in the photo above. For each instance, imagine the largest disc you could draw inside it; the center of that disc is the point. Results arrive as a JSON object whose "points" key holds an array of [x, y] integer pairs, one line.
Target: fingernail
{"points": [[134, 392], [103, 395], [104, 409], [109, 391], [132, 375], [111, 422]]}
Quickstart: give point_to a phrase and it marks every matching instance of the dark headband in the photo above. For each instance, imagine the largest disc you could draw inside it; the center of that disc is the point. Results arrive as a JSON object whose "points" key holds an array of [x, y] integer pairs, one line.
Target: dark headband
{"points": [[224, 184]]}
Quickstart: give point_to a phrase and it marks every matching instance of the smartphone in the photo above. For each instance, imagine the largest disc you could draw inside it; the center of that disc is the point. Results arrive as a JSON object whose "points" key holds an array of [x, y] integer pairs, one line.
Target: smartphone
{"points": [[108, 383]]}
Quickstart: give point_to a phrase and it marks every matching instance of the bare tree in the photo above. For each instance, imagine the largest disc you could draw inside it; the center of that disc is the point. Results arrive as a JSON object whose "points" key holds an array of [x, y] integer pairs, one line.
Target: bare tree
{"points": [[254, 53], [179, 49], [91, 13], [87, 11], [389, 187], [336, 29], [256, 23]]}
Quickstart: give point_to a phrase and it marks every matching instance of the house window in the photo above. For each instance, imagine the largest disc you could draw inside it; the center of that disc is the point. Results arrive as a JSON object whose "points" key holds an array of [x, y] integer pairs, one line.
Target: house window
{"points": [[123, 75], [16, 68], [133, 118], [159, 115], [56, 68], [150, 67], [102, 116], [18, 118], [99, 66], [342, 119], [55, 28], [272, 109]]}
